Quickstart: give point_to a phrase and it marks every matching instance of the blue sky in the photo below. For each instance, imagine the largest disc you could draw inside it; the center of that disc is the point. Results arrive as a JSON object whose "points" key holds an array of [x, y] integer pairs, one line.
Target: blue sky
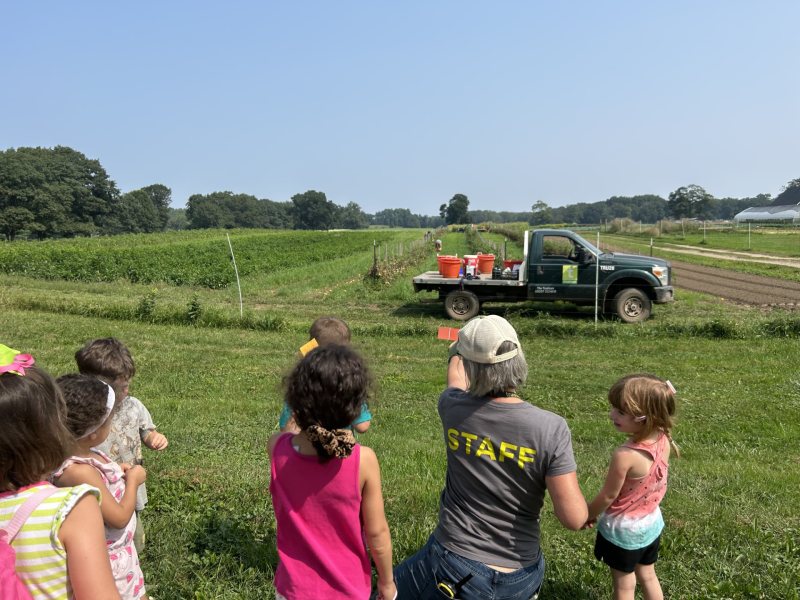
{"points": [[403, 104]]}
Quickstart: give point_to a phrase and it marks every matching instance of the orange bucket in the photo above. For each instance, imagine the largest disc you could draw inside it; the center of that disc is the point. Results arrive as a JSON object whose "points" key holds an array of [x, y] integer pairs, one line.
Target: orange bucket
{"points": [[449, 266], [441, 258], [485, 263]]}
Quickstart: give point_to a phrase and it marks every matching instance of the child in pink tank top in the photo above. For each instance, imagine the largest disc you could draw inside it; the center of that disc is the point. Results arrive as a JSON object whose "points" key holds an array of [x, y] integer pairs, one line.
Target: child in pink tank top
{"points": [[326, 488], [627, 510]]}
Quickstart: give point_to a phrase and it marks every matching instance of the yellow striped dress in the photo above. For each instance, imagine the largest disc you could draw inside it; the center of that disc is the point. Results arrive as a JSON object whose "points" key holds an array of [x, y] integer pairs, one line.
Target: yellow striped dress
{"points": [[41, 559]]}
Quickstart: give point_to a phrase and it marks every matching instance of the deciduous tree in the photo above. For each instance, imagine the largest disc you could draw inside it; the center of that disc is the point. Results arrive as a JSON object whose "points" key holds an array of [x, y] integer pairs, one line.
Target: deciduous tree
{"points": [[352, 217], [312, 210], [689, 201], [457, 210]]}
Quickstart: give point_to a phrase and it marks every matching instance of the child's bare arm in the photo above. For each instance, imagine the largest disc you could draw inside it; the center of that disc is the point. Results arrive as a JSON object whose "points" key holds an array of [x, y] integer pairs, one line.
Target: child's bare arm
{"points": [[155, 440], [291, 426], [379, 539], [87, 558], [362, 427], [621, 463], [115, 514]]}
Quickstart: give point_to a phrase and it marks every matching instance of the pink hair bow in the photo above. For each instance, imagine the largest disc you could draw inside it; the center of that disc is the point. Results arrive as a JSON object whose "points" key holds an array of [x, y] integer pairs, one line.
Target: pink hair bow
{"points": [[18, 364]]}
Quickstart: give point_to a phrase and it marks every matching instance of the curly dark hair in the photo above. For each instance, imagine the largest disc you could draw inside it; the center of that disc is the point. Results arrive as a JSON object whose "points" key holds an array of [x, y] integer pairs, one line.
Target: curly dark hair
{"points": [[86, 398], [33, 438], [328, 387]]}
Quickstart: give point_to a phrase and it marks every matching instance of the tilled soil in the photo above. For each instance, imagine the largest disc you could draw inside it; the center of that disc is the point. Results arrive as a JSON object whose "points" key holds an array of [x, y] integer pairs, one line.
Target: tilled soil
{"points": [[737, 287]]}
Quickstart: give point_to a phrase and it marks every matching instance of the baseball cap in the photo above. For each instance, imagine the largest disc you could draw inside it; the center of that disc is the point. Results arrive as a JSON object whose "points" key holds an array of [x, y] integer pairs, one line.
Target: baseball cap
{"points": [[480, 338]]}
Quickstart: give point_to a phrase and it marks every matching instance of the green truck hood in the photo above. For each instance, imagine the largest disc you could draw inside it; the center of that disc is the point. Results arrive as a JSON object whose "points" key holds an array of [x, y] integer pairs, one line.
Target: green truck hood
{"points": [[632, 260]]}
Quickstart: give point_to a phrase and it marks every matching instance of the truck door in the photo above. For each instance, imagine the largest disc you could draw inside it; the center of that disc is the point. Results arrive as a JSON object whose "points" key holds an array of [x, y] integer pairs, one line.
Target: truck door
{"points": [[562, 271]]}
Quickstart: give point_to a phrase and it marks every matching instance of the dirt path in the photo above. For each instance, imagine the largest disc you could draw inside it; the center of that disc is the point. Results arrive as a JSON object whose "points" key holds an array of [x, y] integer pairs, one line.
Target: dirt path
{"points": [[738, 287], [768, 259]]}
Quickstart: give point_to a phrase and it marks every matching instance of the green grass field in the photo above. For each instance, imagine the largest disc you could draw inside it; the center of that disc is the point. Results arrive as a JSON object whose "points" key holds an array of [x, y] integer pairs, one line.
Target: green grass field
{"points": [[733, 530]]}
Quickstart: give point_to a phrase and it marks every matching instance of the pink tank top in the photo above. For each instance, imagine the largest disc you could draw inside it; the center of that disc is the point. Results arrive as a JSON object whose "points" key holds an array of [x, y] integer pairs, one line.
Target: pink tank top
{"points": [[640, 497], [321, 548]]}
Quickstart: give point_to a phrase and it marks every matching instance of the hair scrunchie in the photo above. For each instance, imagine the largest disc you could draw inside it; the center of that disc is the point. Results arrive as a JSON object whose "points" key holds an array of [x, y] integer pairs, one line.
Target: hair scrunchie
{"points": [[338, 443]]}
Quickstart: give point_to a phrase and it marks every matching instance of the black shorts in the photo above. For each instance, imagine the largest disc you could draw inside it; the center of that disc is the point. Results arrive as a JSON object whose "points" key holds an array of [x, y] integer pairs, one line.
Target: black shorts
{"points": [[622, 559]]}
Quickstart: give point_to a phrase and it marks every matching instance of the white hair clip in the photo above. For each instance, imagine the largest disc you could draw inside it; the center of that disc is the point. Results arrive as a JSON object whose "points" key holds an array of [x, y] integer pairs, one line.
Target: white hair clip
{"points": [[640, 419], [110, 401], [671, 387]]}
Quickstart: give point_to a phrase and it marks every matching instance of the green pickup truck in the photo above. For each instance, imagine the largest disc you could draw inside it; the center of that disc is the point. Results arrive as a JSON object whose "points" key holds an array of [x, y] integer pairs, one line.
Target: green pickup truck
{"points": [[560, 265]]}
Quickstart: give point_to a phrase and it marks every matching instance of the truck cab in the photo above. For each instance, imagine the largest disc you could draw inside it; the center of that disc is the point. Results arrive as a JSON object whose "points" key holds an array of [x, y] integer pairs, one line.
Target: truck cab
{"points": [[562, 265]]}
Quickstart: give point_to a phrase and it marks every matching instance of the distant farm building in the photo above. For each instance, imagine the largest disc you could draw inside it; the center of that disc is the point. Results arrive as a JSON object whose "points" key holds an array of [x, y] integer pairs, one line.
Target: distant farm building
{"points": [[784, 209]]}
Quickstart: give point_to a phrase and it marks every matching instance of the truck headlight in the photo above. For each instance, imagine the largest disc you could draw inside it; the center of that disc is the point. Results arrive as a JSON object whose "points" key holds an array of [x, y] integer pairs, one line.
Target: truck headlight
{"points": [[662, 274]]}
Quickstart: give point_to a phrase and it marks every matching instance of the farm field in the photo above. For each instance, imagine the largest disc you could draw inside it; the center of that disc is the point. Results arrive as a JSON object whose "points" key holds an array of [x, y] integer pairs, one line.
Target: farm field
{"points": [[772, 255], [780, 242], [212, 381]]}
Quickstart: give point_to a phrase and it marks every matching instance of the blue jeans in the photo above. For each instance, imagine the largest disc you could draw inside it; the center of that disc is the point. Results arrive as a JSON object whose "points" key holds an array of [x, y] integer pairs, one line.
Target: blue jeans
{"points": [[418, 576]]}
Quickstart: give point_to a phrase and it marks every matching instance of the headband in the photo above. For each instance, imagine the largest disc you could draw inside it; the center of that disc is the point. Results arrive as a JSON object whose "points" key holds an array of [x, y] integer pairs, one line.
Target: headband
{"points": [[110, 401], [12, 361]]}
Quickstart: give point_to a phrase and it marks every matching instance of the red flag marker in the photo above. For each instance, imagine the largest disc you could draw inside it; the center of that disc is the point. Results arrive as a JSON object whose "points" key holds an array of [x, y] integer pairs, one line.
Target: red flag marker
{"points": [[448, 333]]}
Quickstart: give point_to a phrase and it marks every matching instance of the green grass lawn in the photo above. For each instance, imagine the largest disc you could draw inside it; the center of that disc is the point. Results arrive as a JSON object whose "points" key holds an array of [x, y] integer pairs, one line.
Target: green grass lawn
{"points": [[662, 249], [733, 529]]}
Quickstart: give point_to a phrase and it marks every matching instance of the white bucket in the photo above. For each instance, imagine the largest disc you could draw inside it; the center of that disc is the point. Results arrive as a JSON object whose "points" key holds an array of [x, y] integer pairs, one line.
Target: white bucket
{"points": [[471, 264]]}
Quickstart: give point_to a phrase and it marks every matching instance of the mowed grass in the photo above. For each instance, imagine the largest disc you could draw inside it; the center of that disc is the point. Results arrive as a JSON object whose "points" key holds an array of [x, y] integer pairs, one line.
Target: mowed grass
{"points": [[788, 246], [731, 510]]}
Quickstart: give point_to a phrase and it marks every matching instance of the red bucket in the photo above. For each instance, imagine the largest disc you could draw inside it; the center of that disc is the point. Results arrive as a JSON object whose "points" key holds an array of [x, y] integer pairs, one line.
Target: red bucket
{"points": [[485, 263], [449, 266], [509, 264]]}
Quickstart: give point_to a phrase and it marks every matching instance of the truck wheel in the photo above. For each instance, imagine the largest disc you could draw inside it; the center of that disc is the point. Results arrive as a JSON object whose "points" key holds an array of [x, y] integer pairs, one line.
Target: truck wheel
{"points": [[461, 305], [632, 305]]}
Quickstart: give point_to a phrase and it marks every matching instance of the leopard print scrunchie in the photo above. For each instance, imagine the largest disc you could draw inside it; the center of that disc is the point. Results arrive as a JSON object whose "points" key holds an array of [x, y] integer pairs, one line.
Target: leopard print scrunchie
{"points": [[338, 443]]}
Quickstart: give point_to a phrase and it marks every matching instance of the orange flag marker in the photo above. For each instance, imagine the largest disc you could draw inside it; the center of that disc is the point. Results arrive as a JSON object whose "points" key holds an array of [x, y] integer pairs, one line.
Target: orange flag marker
{"points": [[448, 333]]}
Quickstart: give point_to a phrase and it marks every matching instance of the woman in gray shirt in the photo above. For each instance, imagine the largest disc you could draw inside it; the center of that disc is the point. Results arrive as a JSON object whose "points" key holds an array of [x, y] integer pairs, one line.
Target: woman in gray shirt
{"points": [[502, 455]]}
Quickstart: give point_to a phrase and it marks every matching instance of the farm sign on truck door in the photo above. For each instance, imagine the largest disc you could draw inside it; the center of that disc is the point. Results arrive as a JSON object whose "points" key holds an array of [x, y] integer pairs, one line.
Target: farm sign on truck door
{"points": [[561, 268]]}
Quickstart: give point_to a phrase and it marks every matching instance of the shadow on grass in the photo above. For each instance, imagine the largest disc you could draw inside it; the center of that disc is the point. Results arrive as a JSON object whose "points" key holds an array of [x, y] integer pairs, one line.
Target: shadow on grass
{"points": [[233, 537], [435, 309]]}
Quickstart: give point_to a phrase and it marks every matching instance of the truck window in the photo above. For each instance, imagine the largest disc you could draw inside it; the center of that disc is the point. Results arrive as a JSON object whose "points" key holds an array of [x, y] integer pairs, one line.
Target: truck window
{"points": [[557, 246]]}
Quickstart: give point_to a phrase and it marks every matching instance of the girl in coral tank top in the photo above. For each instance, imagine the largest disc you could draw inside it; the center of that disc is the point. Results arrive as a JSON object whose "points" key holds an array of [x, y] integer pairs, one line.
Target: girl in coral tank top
{"points": [[326, 488], [626, 511]]}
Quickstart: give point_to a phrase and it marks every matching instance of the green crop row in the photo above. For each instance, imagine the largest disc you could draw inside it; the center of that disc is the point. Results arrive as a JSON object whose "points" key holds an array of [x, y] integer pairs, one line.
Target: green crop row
{"points": [[201, 259]]}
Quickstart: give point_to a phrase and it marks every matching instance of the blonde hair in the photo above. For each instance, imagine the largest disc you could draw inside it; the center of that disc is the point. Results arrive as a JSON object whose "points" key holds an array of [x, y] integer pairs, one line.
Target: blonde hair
{"points": [[649, 399]]}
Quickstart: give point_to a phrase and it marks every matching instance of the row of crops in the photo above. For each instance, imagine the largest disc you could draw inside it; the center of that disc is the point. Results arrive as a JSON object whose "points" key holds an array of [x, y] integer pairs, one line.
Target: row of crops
{"points": [[194, 258]]}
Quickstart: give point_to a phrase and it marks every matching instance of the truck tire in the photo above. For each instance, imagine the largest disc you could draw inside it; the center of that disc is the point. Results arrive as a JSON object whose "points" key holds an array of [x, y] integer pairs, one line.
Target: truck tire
{"points": [[632, 305], [461, 305]]}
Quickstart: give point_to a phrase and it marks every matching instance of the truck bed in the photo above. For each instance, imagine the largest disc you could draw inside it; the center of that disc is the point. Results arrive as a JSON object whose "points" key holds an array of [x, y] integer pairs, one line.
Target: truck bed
{"points": [[433, 281]]}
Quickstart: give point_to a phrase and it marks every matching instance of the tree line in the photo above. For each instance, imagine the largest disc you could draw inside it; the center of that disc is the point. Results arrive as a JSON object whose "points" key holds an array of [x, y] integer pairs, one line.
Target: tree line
{"points": [[59, 192]]}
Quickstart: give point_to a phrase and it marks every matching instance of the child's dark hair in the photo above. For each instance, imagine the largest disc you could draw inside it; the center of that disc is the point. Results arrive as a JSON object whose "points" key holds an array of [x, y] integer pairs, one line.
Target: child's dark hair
{"points": [[328, 388], [33, 438], [329, 330], [106, 357], [86, 399], [648, 397]]}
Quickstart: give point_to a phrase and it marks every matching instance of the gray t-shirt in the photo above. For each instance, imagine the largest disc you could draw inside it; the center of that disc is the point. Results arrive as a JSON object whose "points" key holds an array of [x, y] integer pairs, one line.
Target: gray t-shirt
{"points": [[498, 455]]}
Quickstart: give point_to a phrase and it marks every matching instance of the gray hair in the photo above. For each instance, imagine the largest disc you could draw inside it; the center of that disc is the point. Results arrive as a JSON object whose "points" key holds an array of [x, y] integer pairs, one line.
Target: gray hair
{"points": [[497, 379]]}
